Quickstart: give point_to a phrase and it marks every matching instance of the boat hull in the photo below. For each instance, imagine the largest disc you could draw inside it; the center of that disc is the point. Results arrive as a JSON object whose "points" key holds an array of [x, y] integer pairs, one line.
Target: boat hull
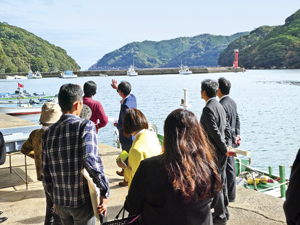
{"points": [[21, 110], [186, 73], [132, 74], [68, 76]]}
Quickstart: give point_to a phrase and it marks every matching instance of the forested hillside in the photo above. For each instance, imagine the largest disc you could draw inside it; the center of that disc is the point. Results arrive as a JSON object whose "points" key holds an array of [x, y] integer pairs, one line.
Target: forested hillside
{"points": [[202, 50], [19, 48], [268, 47]]}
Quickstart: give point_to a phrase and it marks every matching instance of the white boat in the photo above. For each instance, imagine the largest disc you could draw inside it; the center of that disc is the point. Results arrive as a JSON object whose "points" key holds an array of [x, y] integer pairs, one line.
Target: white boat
{"points": [[68, 74], [131, 71], [9, 77], [15, 77], [20, 77], [102, 75], [30, 75], [20, 109], [184, 70], [38, 75]]}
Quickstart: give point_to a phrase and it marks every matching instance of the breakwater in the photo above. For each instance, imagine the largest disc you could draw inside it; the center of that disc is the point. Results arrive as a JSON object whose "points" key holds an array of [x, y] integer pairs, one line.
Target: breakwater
{"points": [[158, 71]]}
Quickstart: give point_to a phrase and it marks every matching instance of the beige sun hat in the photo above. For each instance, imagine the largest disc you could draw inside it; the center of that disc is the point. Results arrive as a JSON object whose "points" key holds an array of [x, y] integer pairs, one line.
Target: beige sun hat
{"points": [[51, 113]]}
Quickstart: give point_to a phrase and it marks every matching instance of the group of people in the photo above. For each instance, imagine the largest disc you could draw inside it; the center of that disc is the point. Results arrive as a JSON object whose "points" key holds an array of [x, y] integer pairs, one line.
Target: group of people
{"points": [[180, 183], [193, 174], [177, 185]]}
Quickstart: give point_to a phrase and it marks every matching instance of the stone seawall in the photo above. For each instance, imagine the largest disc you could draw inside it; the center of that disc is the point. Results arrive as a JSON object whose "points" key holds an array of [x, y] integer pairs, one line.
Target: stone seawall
{"points": [[140, 72]]}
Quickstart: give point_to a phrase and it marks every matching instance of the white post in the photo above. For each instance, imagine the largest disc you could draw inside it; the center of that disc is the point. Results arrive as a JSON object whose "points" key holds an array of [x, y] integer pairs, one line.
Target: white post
{"points": [[184, 101]]}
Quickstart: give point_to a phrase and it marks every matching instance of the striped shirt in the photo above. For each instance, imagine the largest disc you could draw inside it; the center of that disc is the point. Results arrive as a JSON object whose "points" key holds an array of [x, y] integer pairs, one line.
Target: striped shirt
{"points": [[65, 153]]}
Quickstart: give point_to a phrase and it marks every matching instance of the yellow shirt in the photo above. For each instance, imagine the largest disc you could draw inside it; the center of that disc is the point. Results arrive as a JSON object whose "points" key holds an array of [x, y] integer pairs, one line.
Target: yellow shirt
{"points": [[145, 145]]}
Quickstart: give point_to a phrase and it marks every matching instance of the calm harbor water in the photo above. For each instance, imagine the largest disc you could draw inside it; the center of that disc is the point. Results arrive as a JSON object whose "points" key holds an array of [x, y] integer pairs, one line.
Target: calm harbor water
{"points": [[267, 100]]}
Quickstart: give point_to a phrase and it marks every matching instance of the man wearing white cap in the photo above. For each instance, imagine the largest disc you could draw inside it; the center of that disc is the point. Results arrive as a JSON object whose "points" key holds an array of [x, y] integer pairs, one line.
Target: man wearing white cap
{"points": [[33, 148]]}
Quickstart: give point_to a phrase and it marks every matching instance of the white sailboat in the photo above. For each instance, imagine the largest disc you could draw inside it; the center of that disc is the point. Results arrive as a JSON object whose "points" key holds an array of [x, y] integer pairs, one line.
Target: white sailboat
{"points": [[131, 71]]}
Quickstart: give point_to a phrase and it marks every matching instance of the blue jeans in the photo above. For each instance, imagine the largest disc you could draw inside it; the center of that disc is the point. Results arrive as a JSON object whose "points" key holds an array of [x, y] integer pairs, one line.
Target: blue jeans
{"points": [[83, 215]]}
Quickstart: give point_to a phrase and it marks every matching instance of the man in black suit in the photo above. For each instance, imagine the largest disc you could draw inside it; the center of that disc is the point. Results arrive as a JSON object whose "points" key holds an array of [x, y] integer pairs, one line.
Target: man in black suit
{"points": [[291, 205], [234, 123], [213, 120]]}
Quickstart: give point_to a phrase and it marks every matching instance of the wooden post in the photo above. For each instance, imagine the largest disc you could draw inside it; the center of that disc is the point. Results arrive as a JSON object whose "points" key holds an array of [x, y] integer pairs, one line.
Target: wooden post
{"points": [[282, 180]]}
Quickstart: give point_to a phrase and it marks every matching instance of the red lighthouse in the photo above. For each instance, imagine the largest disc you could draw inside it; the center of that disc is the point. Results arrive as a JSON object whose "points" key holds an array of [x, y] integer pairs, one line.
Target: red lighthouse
{"points": [[236, 62]]}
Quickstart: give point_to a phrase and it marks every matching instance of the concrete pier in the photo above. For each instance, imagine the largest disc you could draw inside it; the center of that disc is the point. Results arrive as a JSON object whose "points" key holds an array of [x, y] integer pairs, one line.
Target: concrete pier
{"points": [[23, 206], [141, 72], [7, 121]]}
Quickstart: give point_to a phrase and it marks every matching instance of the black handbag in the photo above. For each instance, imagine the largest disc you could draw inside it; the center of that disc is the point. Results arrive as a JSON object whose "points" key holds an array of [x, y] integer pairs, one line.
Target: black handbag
{"points": [[132, 220]]}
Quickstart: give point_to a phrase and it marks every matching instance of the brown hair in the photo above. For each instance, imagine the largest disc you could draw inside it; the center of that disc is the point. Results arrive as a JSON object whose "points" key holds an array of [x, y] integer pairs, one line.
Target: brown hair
{"points": [[134, 120], [188, 157]]}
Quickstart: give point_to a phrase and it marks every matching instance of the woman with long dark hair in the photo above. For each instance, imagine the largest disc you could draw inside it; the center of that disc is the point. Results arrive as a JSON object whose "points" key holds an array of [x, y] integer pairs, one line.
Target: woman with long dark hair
{"points": [[178, 186]]}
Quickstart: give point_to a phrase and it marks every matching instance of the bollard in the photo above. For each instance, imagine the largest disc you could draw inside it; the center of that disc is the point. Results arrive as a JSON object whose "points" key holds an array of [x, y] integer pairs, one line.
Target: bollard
{"points": [[282, 180], [270, 171]]}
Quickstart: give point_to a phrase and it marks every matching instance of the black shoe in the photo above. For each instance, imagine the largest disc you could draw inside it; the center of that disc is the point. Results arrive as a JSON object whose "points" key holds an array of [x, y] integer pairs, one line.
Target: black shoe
{"points": [[219, 221], [3, 219]]}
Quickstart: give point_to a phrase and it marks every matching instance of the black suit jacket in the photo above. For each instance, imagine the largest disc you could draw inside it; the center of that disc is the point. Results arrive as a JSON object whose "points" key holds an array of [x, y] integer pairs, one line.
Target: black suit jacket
{"points": [[291, 205], [232, 117], [152, 195], [213, 121]]}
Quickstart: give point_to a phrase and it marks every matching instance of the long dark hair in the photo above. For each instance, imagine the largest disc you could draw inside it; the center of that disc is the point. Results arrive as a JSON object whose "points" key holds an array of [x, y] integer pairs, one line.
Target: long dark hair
{"points": [[188, 157]]}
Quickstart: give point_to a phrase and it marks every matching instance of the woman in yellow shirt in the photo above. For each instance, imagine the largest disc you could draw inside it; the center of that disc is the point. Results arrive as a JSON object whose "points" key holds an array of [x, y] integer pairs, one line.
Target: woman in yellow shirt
{"points": [[145, 144]]}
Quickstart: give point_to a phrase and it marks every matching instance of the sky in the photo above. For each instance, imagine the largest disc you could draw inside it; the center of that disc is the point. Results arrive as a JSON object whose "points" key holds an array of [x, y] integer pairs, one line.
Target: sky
{"points": [[89, 29]]}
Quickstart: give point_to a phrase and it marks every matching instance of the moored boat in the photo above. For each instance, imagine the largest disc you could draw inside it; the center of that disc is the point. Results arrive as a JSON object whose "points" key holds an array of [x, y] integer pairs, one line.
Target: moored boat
{"points": [[131, 71], [38, 75], [20, 109], [25, 97], [30, 75], [68, 74], [184, 70], [20, 77], [9, 77]]}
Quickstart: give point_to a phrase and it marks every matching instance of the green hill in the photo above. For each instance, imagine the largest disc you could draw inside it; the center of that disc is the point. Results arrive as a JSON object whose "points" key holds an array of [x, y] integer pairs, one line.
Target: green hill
{"points": [[268, 47], [19, 48], [201, 50]]}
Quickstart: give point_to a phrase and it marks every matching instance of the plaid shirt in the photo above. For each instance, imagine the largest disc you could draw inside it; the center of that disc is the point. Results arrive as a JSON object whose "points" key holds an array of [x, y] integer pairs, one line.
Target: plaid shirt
{"points": [[65, 153]]}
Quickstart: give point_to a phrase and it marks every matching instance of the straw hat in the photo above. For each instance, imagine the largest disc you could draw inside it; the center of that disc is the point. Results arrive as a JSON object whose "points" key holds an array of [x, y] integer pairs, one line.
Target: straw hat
{"points": [[50, 113]]}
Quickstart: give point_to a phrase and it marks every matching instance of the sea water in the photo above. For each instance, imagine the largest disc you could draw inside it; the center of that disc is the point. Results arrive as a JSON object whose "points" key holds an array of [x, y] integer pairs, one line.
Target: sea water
{"points": [[267, 100]]}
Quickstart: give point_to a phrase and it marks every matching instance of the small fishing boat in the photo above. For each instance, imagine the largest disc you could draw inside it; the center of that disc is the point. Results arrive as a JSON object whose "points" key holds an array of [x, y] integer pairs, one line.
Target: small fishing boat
{"points": [[38, 75], [68, 74], [25, 97], [102, 75], [184, 70], [30, 75], [20, 109]]}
